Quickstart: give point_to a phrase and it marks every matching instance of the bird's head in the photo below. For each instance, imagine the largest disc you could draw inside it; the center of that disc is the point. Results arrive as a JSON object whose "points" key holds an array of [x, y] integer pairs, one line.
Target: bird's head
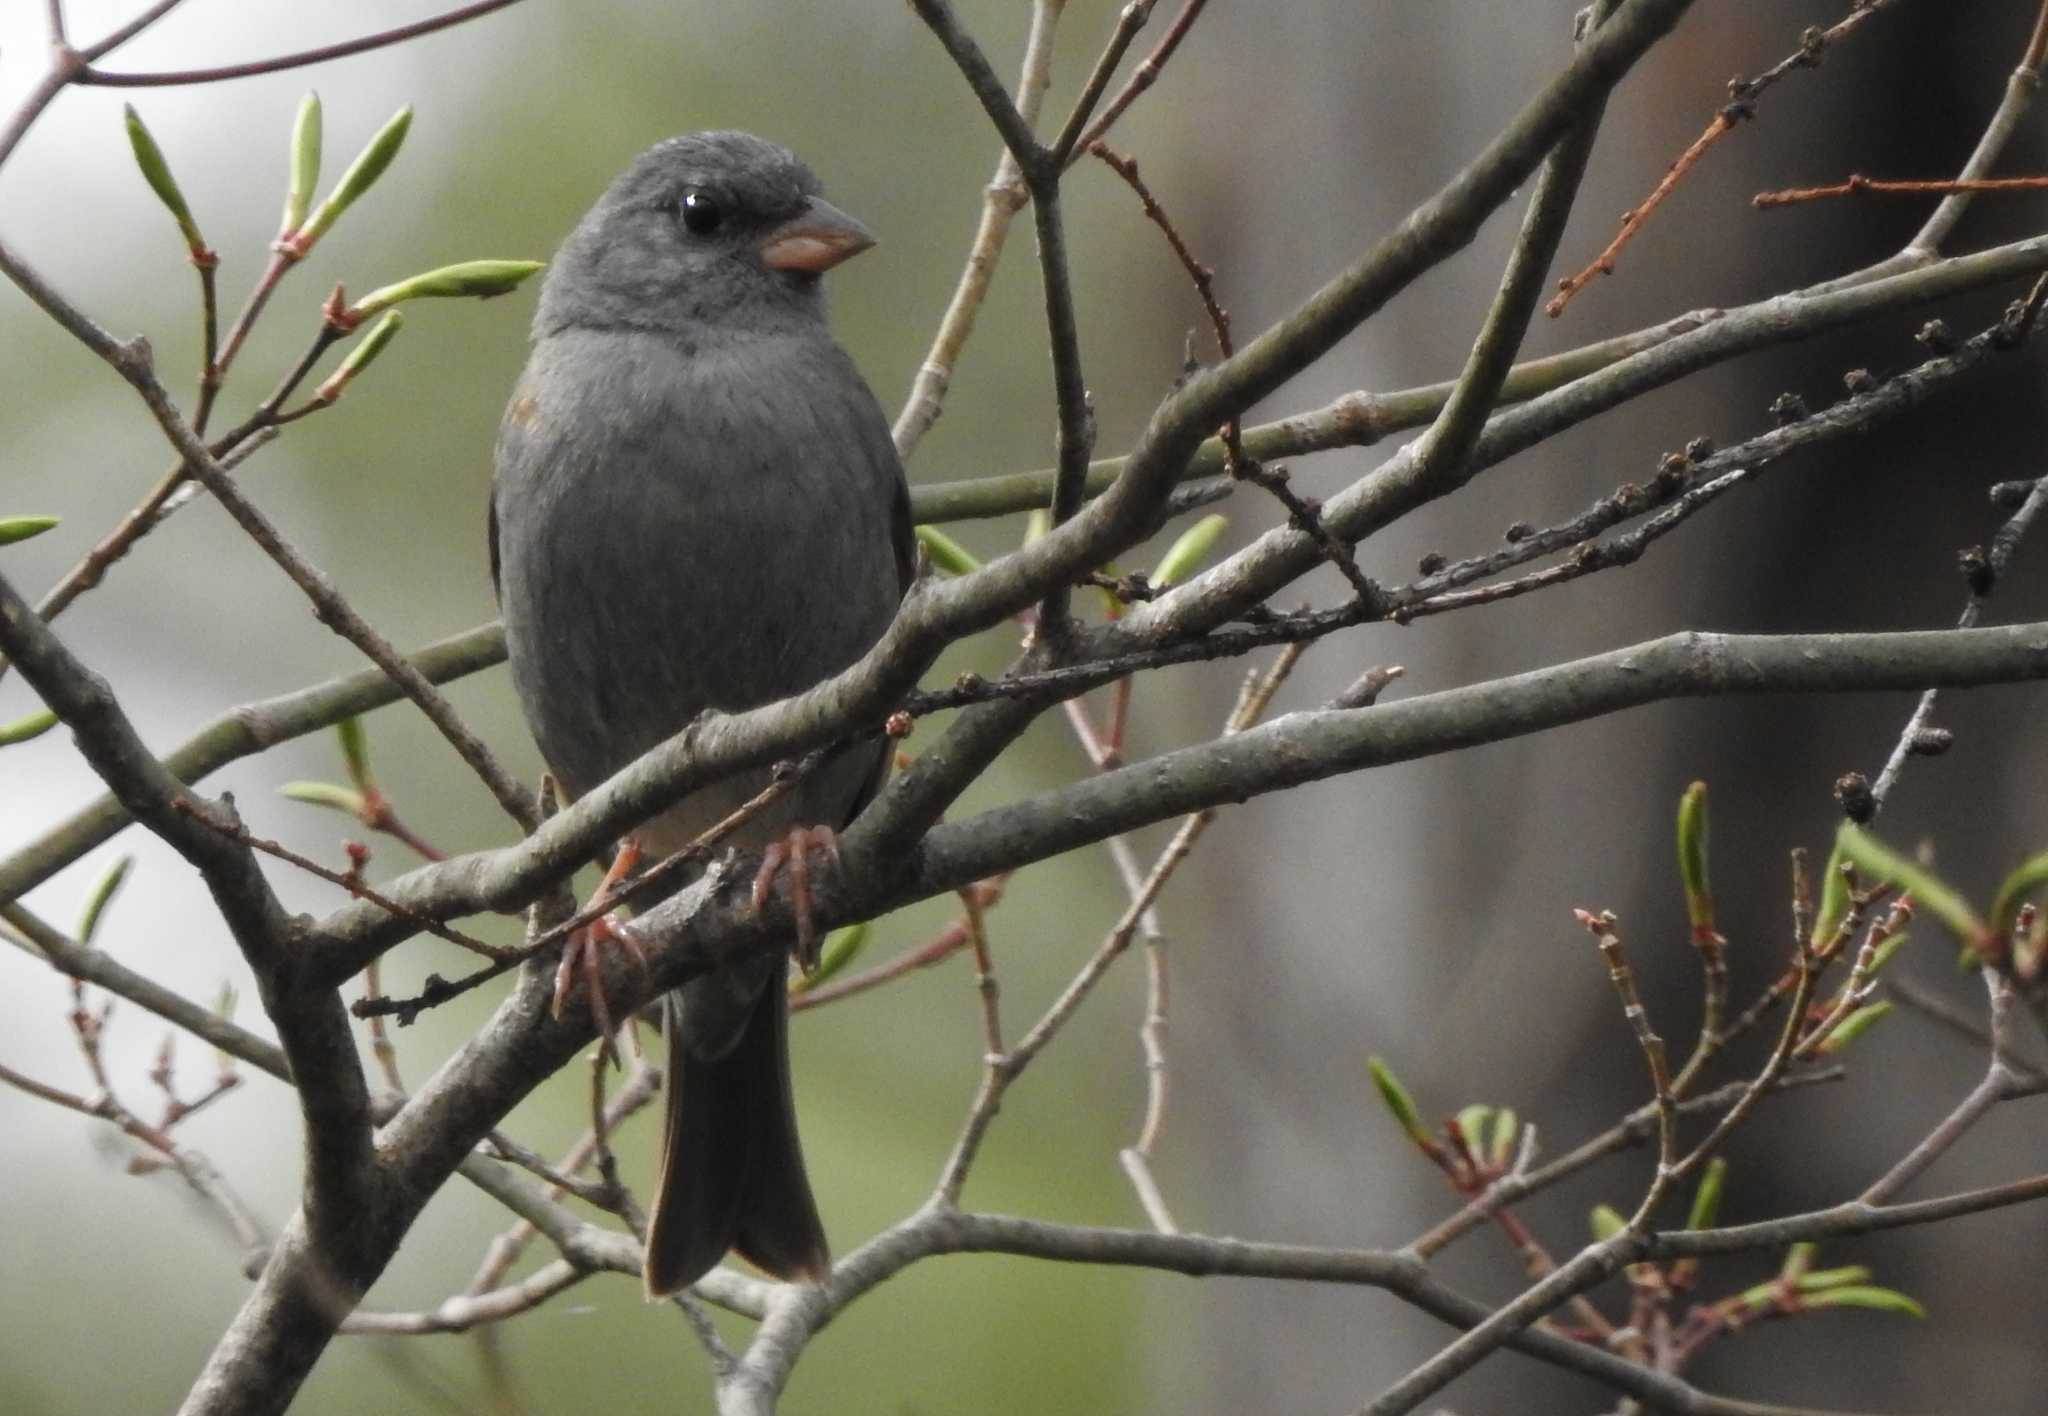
{"points": [[719, 229]]}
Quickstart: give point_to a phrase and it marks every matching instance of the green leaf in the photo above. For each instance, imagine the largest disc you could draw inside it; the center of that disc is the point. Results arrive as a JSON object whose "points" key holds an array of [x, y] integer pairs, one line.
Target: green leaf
{"points": [[1798, 1262], [1834, 900], [1883, 954], [362, 174], [157, 172], [841, 947], [1606, 1221], [1852, 1027], [2029, 879], [1929, 891], [20, 528], [355, 749], [1398, 1101], [224, 1004], [1472, 1123], [1037, 524], [1763, 1295], [1882, 1300], [1821, 1279], [1706, 1200], [947, 554], [103, 896], [305, 165], [366, 349], [327, 794], [1500, 1147], [30, 725], [1692, 858], [465, 279], [1189, 550]]}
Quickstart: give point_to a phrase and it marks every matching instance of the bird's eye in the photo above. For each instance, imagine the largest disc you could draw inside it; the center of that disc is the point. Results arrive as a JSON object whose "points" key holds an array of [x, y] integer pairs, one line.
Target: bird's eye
{"points": [[702, 214]]}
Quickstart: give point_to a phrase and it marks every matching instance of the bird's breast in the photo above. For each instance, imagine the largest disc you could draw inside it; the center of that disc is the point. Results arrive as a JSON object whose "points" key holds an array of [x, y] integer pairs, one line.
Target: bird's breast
{"points": [[681, 532]]}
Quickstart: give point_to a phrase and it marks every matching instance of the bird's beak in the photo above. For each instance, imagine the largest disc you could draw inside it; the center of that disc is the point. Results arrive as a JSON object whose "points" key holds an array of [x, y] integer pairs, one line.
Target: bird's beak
{"points": [[816, 239]]}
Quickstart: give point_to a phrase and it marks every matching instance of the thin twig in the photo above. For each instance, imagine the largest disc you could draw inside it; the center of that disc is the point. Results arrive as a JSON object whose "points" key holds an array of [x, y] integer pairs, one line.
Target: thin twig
{"points": [[1622, 977], [381, 40], [643, 1082], [336, 613], [1931, 1005], [1857, 185], [1129, 21], [985, 982], [2005, 544], [161, 500], [943, 945], [128, 31], [192, 1167], [1302, 513], [1742, 97], [1002, 199], [1142, 77], [466, 1312], [2001, 1081], [380, 1034], [657, 877], [350, 881]]}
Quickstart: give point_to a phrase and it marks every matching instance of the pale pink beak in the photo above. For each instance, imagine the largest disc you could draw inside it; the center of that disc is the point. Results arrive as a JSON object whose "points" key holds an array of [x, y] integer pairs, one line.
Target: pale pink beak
{"points": [[816, 239]]}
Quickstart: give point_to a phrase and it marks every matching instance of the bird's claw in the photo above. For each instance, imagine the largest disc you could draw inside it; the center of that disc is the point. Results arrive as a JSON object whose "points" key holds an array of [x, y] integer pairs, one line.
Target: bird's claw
{"points": [[791, 856], [584, 950]]}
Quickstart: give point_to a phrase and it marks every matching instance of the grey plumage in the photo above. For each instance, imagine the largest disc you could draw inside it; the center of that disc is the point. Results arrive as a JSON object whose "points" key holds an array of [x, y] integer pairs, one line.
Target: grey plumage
{"points": [[697, 505]]}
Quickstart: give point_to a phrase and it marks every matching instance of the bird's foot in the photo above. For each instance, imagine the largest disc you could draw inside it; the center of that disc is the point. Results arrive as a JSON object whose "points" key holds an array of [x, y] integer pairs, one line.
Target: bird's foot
{"points": [[791, 856], [584, 950]]}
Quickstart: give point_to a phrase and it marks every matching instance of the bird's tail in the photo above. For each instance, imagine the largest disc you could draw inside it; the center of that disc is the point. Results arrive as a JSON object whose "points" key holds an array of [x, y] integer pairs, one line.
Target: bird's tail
{"points": [[732, 1168]]}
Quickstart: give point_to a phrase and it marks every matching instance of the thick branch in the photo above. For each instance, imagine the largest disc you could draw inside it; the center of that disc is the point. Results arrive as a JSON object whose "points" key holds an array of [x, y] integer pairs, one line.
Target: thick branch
{"points": [[311, 1023]]}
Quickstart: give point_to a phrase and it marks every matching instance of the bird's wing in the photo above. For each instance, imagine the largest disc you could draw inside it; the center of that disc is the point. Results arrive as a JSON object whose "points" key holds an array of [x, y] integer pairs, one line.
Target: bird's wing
{"points": [[902, 534], [492, 523]]}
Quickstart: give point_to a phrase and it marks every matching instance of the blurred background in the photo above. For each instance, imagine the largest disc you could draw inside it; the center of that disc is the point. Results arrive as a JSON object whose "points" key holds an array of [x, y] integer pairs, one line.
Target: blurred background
{"points": [[1421, 913]]}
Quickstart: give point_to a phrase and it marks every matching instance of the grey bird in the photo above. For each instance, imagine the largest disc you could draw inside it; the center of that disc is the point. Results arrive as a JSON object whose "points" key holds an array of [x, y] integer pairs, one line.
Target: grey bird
{"points": [[698, 505]]}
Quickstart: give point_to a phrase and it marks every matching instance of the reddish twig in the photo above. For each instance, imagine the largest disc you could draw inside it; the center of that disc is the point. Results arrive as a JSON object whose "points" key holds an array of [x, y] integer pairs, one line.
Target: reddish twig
{"points": [[941, 946], [381, 40], [1858, 185], [128, 31], [1742, 97], [351, 881], [1303, 513]]}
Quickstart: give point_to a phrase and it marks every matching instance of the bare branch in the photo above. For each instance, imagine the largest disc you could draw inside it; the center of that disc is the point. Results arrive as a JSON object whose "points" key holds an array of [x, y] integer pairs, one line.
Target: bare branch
{"points": [[381, 40]]}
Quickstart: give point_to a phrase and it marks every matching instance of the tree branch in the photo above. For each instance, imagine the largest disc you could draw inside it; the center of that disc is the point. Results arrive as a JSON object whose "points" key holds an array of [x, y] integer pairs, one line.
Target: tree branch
{"points": [[384, 39]]}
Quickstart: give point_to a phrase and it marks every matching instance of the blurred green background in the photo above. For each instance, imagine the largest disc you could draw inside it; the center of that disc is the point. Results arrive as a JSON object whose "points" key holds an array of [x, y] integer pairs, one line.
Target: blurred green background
{"points": [[1422, 913]]}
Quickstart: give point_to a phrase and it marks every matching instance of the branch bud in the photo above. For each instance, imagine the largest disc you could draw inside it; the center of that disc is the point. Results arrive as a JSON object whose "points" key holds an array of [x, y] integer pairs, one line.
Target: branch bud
{"points": [[1929, 891], [366, 349], [947, 554], [327, 794], [20, 528], [362, 174], [842, 947], [101, 897], [1852, 1027], [1692, 859], [1706, 1200], [479, 279], [31, 725], [1883, 1300], [305, 166], [1399, 1103], [1186, 555], [157, 172]]}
